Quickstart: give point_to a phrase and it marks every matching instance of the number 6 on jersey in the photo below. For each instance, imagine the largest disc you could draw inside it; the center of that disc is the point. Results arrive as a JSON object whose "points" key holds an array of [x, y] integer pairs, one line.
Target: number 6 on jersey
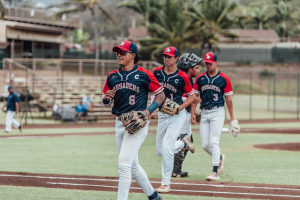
{"points": [[131, 99]]}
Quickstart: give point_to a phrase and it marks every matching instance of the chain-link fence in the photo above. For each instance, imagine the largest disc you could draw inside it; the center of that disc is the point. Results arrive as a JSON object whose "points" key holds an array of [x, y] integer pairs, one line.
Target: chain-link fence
{"points": [[64, 82]]}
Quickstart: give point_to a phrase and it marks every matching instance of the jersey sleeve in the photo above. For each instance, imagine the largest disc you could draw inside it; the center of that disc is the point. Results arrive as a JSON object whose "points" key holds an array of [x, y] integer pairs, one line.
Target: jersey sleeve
{"points": [[154, 85], [196, 87], [228, 87], [106, 87], [16, 98], [188, 90]]}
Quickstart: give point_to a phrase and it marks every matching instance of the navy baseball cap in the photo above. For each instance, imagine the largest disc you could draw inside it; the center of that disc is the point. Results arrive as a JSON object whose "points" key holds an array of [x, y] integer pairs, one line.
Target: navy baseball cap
{"points": [[170, 51], [10, 87], [210, 57], [126, 46]]}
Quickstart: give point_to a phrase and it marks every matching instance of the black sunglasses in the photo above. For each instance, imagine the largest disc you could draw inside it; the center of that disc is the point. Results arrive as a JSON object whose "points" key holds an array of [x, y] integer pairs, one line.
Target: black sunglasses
{"points": [[122, 53]]}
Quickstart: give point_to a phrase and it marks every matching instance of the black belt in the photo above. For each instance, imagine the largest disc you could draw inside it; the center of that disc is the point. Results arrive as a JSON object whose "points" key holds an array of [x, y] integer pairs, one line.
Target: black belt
{"points": [[211, 108]]}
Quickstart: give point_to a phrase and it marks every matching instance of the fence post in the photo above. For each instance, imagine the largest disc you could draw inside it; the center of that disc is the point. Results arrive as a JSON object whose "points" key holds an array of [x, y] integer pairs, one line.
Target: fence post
{"points": [[96, 68], [298, 91], [80, 68], [250, 100], [62, 94], [26, 100], [102, 68], [33, 75], [3, 66], [274, 100], [269, 88]]}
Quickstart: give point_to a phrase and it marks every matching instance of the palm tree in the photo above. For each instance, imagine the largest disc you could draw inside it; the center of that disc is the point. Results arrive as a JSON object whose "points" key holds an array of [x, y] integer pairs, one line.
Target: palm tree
{"points": [[283, 13], [2, 10], [169, 27], [143, 7], [211, 19], [260, 16], [75, 6]]}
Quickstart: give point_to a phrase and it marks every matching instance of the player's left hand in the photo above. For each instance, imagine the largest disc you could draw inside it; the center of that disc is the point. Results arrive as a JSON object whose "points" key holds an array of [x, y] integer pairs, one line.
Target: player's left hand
{"points": [[234, 128], [197, 100], [146, 111], [17, 111], [193, 119]]}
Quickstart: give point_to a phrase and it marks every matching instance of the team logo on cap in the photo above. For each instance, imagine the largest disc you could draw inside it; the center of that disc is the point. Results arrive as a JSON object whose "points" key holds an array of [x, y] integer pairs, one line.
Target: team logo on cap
{"points": [[207, 57], [168, 50], [122, 43]]}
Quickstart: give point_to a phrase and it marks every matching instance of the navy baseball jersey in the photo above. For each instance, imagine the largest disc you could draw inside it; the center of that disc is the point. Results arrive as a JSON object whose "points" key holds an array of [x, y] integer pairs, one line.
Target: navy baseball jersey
{"points": [[11, 101], [175, 85], [212, 89], [132, 88]]}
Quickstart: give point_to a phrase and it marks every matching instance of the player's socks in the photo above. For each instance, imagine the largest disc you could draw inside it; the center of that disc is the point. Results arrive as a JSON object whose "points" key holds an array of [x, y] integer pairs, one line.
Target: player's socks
{"points": [[220, 157], [215, 169], [153, 196]]}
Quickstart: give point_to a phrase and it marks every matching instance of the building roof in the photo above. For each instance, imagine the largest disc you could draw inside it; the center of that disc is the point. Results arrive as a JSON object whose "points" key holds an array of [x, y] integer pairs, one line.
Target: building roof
{"points": [[266, 35]]}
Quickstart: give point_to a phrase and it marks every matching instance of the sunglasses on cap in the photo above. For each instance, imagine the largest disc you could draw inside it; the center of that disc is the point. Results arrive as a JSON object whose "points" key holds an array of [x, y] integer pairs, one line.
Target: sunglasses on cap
{"points": [[122, 53]]}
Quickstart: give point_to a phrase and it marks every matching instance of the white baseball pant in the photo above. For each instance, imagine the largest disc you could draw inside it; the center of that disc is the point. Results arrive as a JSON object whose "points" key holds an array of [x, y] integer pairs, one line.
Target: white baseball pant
{"points": [[128, 147], [211, 125], [186, 129], [11, 121], [168, 129]]}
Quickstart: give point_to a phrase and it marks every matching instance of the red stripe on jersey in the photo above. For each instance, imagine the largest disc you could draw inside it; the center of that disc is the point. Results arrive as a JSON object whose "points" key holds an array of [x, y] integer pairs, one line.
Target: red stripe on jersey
{"points": [[228, 88], [105, 88], [154, 85], [157, 68], [187, 85], [196, 85]]}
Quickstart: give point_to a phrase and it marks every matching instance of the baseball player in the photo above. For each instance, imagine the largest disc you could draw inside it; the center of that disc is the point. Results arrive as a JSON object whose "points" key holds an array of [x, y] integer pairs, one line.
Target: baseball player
{"points": [[175, 83], [214, 88], [189, 64], [12, 108], [128, 87]]}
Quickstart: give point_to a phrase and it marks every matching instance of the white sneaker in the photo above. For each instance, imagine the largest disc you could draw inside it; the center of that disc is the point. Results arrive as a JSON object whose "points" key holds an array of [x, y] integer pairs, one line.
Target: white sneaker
{"points": [[213, 177], [163, 189], [220, 168], [189, 145]]}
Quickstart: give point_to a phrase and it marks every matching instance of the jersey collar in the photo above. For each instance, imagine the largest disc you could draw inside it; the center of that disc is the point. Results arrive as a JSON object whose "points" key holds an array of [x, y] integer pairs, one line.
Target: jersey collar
{"points": [[214, 75], [125, 74], [167, 77]]}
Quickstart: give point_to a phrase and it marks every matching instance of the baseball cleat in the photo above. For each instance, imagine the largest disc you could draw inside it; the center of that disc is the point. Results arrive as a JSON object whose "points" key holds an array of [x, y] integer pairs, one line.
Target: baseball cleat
{"points": [[189, 144], [20, 128], [158, 197], [181, 175], [221, 167], [163, 189], [213, 177]]}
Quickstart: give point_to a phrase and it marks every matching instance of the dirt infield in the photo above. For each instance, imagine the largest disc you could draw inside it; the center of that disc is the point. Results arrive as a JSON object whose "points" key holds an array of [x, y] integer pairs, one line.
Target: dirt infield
{"points": [[279, 146], [179, 187]]}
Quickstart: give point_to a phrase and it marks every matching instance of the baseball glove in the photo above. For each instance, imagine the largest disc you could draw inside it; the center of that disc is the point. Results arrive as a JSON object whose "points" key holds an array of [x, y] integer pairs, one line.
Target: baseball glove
{"points": [[133, 122], [234, 128], [198, 114], [170, 107]]}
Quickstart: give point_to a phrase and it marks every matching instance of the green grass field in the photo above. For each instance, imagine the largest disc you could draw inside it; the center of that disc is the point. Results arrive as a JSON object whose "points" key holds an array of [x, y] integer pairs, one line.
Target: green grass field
{"points": [[97, 155]]}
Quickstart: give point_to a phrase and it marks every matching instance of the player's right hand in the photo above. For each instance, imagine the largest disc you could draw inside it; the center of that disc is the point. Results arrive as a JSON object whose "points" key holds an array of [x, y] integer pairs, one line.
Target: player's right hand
{"points": [[152, 116], [193, 119], [110, 94]]}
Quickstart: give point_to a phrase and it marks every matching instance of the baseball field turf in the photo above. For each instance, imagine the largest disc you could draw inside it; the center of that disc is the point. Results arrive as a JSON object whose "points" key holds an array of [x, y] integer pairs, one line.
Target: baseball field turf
{"points": [[98, 156]]}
